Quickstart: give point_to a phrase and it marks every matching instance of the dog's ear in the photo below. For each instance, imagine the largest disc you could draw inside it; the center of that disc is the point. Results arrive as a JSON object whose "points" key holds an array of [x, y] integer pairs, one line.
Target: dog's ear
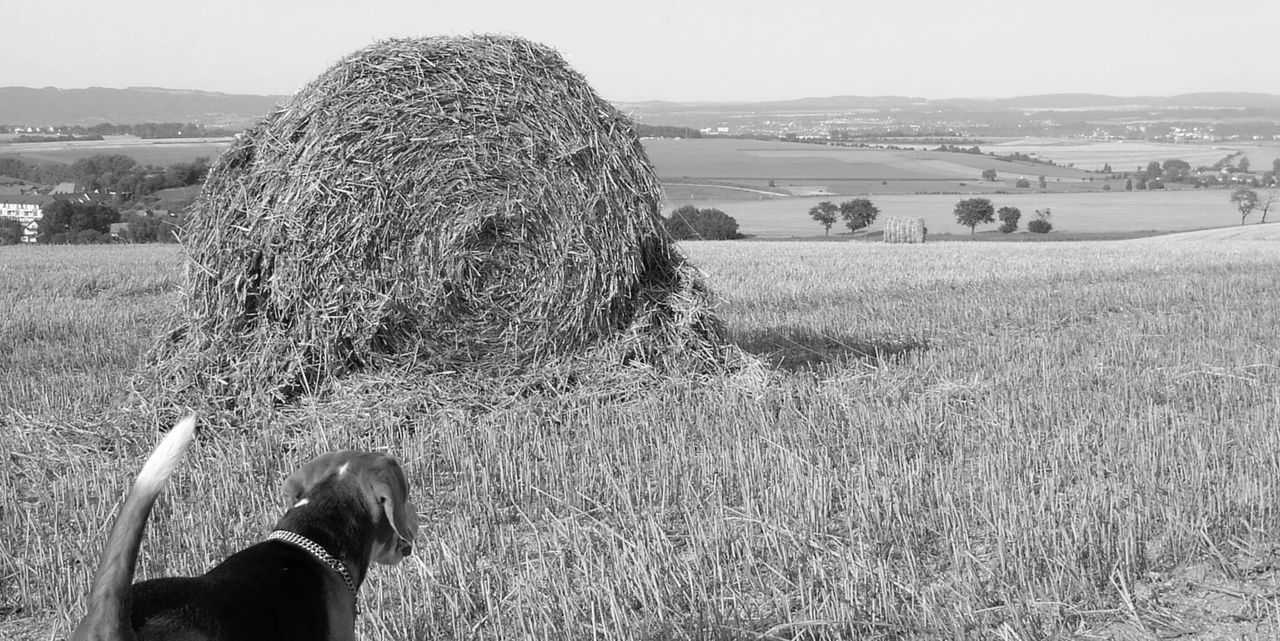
{"points": [[389, 491], [308, 475]]}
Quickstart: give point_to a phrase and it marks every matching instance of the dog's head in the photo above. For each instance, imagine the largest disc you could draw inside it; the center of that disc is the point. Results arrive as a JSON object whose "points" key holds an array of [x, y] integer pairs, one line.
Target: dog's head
{"points": [[385, 490]]}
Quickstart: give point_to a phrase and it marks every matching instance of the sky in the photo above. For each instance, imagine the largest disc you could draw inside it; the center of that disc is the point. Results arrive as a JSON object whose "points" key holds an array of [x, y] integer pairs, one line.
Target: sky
{"points": [[678, 50]]}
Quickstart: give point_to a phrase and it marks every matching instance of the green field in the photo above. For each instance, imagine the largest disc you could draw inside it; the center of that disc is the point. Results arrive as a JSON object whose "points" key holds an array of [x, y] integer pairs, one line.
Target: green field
{"points": [[803, 169], [957, 440], [753, 162], [161, 153], [1130, 155], [1115, 211], [1122, 155]]}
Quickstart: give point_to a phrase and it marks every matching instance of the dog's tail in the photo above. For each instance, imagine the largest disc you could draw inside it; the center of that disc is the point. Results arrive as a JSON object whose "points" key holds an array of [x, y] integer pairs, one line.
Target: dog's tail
{"points": [[108, 609]]}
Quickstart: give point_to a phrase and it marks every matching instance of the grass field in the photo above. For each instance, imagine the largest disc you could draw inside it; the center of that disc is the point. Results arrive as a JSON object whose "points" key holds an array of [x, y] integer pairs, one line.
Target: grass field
{"points": [[161, 153], [1122, 155], [957, 441], [803, 169], [1129, 155], [1101, 212]]}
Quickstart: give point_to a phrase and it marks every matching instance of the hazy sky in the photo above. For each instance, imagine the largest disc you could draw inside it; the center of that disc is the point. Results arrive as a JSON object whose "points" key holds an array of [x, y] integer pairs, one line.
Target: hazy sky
{"points": [[717, 50]]}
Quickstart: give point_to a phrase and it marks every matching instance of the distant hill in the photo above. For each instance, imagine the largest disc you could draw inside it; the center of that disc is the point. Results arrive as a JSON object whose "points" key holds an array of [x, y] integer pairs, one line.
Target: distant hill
{"points": [[656, 110], [50, 106]]}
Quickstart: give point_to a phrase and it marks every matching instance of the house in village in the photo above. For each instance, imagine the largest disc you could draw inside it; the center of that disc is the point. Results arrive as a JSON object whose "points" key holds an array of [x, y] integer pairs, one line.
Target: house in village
{"points": [[27, 209], [120, 233]]}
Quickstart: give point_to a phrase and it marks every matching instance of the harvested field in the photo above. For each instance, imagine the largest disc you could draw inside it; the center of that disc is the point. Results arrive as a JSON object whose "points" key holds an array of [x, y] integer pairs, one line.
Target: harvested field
{"points": [[1269, 231], [954, 436]]}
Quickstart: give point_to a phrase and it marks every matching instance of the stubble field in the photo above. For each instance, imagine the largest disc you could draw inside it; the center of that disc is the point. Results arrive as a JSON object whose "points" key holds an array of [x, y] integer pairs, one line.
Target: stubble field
{"points": [[955, 441]]}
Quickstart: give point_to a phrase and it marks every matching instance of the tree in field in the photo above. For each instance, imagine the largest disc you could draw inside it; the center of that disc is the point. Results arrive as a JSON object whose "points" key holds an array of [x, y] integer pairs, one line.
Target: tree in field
{"points": [[1022, 183], [1128, 184], [1243, 165], [972, 212], [1265, 201], [1153, 170], [1009, 219], [1275, 167], [1043, 183], [858, 213], [989, 175], [691, 223], [148, 229], [1142, 183], [1176, 170], [1245, 200], [106, 172], [68, 222], [825, 213]]}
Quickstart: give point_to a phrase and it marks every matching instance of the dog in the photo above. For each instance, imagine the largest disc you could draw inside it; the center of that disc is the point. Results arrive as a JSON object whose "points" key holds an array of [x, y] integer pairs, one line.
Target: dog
{"points": [[349, 509]]}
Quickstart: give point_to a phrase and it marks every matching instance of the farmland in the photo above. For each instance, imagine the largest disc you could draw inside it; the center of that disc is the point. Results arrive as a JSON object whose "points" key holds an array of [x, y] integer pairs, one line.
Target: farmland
{"points": [[800, 169], [146, 152], [1129, 155], [1115, 211], [768, 187], [952, 441]]}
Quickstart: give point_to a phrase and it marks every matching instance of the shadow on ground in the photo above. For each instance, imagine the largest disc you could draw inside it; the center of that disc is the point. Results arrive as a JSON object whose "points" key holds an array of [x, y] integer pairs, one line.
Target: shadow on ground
{"points": [[796, 348]]}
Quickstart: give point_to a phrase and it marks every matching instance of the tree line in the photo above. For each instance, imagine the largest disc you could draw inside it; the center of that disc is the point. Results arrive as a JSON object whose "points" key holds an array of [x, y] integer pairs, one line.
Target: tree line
{"points": [[119, 180], [114, 174], [860, 213], [666, 131], [857, 214], [142, 130], [69, 222]]}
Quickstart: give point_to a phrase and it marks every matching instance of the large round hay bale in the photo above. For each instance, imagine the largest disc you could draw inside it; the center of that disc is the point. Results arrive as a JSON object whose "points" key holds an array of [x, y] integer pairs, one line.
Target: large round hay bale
{"points": [[429, 204], [904, 229]]}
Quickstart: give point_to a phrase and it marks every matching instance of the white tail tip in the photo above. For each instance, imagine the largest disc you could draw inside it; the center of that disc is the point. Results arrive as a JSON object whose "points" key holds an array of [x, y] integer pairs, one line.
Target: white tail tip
{"points": [[168, 454]]}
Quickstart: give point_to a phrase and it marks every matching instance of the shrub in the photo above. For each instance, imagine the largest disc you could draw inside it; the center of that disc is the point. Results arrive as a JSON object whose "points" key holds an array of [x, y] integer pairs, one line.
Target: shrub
{"points": [[1009, 217], [691, 223], [1039, 226], [1022, 183], [10, 232]]}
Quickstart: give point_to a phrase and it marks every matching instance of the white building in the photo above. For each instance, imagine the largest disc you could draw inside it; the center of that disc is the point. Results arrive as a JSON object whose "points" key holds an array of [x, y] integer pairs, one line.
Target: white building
{"points": [[27, 210]]}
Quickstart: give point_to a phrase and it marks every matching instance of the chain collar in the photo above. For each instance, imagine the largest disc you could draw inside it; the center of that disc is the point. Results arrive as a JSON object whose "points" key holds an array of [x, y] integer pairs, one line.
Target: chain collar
{"points": [[320, 554]]}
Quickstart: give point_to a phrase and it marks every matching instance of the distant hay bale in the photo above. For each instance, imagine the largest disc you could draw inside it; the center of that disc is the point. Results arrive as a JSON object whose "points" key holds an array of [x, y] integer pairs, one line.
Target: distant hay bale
{"points": [[429, 205], [904, 229]]}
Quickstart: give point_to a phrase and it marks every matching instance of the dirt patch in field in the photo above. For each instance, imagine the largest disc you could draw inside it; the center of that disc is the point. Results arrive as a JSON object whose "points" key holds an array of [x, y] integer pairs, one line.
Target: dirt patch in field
{"points": [[1203, 602], [1268, 231]]}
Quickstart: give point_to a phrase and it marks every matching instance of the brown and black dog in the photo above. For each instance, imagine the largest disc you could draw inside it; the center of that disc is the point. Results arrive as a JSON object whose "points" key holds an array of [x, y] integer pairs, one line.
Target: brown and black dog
{"points": [[348, 508]]}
